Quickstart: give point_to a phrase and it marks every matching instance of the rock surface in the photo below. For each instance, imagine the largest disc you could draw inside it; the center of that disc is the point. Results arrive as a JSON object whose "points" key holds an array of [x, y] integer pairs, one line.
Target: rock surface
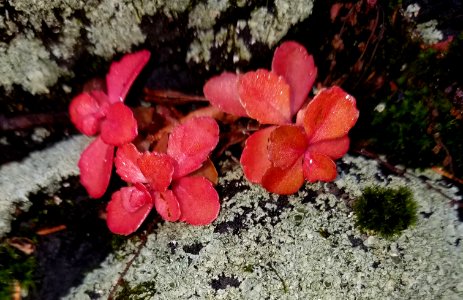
{"points": [[41, 171], [305, 246], [42, 41]]}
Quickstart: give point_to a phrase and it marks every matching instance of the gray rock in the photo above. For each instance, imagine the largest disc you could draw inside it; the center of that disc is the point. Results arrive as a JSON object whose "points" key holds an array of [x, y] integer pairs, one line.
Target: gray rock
{"points": [[268, 246], [40, 171], [40, 41]]}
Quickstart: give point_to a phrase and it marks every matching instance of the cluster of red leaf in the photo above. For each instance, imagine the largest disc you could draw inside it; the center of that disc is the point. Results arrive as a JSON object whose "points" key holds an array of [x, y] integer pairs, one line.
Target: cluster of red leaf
{"points": [[280, 156], [191, 199], [299, 138], [105, 113]]}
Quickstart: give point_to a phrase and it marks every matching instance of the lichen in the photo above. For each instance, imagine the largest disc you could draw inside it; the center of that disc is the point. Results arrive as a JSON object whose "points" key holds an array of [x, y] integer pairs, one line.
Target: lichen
{"points": [[429, 33], [38, 13], [61, 30], [25, 61], [204, 15], [115, 28], [42, 170], [45, 33], [306, 248], [270, 28], [263, 25]]}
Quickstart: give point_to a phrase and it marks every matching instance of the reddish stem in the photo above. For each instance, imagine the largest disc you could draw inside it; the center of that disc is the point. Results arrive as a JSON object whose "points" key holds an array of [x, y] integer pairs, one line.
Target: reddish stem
{"points": [[32, 120], [171, 97]]}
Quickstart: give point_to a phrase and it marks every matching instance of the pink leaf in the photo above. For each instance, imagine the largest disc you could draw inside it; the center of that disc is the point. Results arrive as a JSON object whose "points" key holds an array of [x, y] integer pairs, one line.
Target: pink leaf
{"points": [[85, 114], [287, 144], [199, 201], [191, 143], [122, 74], [167, 205], [284, 181], [330, 115], [292, 61], [158, 169], [127, 164], [120, 126], [254, 159], [335, 148], [265, 97], [95, 166], [222, 92], [318, 167], [124, 221], [134, 199]]}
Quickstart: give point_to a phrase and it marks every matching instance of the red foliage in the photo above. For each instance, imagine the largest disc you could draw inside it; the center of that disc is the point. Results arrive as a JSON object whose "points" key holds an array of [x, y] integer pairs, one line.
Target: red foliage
{"points": [[99, 112], [128, 208], [176, 177], [280, 157], [295, 152], [270, 97], [191, 199]]}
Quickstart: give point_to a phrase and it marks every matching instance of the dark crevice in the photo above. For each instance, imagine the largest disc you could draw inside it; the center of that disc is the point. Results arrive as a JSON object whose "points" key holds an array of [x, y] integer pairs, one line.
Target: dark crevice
{"points": [[193, 248], [64, 257], [223, 282], [236, 225]]}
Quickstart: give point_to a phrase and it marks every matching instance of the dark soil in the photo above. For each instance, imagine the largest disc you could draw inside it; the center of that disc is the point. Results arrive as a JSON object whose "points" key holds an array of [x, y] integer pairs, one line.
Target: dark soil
{"points": [[64, 257]]}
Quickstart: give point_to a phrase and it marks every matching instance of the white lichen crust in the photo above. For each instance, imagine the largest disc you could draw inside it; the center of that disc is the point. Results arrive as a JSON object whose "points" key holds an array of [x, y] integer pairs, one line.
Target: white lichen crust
{"points": [[267, 26], [40, 171], [44, 38], [27, 62], [113, 26], [305, 246]]}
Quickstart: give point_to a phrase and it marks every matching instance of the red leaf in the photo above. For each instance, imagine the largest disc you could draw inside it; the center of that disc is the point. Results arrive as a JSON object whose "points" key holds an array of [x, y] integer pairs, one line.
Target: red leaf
{"points": [[335, 148], [199, 201], [222, 92], [122, 74], [85, 113], [330, 115], [284, 181], [127, 164], [123, 221], [318, 167], [95, 166], [286, 145], [254, 159], [191, 143], [158, 169], [167, 205], [120, 126], [265, 97], [297, 67]]}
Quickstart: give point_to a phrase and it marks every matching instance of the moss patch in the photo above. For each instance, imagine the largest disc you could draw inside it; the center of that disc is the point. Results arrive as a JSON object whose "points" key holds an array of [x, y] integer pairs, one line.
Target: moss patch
{"points": [[15, 267], [141, 291], [385, 211]]}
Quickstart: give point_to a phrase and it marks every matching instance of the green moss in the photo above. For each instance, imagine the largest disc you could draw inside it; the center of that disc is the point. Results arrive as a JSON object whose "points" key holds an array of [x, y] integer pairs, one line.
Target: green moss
{"points": [[248, 269], [385, 211], [416, 126], [117, 241], [324, 233], [15, 266], [143, 290]]}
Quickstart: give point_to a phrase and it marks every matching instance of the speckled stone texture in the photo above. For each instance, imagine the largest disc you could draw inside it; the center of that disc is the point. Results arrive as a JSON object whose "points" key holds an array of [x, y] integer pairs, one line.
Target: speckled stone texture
{"points": [[265, 246], [40, 171], [43, 41]]}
